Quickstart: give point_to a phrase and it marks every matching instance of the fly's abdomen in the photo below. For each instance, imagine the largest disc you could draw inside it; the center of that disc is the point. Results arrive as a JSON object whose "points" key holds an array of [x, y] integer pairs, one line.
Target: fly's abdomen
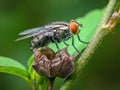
{"points": [[39, 41]]}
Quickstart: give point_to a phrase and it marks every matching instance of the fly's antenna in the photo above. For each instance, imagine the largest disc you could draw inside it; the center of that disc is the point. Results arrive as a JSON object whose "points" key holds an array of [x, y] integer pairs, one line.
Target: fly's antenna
{"points": [[81, 25]]}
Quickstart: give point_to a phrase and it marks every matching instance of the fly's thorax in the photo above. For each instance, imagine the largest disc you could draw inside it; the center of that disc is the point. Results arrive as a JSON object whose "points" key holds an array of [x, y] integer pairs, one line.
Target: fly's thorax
{"points": [[48, 34], [61, 35], [66, 35]]}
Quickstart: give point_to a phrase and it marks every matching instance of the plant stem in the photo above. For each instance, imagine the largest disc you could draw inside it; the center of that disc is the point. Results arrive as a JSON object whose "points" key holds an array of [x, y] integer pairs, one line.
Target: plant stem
{"points": [[50, 87], [100, 33]]}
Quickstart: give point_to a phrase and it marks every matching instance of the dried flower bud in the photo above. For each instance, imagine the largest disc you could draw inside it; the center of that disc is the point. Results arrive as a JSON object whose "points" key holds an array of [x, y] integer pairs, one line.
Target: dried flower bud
{"points": [[51, 65]]}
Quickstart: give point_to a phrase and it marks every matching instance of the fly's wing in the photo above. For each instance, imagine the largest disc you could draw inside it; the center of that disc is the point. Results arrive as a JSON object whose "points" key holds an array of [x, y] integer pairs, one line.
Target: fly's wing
{"points": [[31, 31], [25, 37], [50, 26], [44, 29]]}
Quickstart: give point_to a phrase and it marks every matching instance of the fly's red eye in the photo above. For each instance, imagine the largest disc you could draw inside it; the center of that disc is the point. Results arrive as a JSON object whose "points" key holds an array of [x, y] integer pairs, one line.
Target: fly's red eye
{"points": [[74, 27]]}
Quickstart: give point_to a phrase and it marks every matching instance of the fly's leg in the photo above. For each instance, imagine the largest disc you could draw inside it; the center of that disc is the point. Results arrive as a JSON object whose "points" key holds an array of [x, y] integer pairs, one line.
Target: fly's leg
{"points": [[74, 45], [56, 43], [81, 40], [65, 43]]}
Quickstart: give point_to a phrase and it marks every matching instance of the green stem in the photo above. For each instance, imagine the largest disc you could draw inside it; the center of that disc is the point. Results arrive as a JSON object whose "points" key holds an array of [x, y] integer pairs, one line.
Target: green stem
{"points": [[50, 87], [100, 33]]}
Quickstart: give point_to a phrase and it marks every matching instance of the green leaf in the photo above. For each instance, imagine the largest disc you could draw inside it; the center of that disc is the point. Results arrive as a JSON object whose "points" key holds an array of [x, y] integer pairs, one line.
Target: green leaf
{"points": [[41, 81], [11, 66], [90, 22]]}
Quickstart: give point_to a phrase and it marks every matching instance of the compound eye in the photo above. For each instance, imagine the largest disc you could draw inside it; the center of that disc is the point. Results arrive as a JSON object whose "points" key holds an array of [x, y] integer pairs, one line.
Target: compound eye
{"points": [[74, 27]]}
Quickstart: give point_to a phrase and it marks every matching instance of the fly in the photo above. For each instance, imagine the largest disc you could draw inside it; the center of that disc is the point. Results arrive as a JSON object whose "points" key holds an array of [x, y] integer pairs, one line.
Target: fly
{"points": [[54, 32]]}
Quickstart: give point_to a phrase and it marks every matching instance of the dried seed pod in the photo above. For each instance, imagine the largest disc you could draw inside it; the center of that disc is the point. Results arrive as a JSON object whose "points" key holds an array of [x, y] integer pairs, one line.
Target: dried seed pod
{"points": [[67, 63], [51, 65]]}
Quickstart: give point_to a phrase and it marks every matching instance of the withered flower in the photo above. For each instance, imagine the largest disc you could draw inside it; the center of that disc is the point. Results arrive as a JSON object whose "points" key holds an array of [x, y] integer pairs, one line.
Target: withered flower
{"points": [[49, 63]]}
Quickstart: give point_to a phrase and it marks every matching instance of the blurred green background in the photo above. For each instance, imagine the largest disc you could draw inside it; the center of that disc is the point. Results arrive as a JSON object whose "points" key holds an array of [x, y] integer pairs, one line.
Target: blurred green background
{"points": [[103, 70]]}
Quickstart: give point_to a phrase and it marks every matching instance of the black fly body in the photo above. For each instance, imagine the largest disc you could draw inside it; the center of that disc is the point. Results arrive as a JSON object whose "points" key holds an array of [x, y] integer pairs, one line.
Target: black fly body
{"points": [[54, 32]]}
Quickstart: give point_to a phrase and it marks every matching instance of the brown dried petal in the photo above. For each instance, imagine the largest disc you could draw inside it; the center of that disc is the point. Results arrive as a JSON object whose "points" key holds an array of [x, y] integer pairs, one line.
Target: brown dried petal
{"points": [[67, 66], [50, 54], [55, 67]]}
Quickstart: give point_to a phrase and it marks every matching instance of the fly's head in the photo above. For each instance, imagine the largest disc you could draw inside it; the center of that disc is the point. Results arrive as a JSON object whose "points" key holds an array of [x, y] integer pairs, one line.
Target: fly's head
{"points": [[74, 27]]}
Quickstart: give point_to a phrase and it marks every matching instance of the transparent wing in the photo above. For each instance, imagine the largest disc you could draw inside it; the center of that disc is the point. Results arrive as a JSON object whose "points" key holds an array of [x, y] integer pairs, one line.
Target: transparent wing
{"points": [[44, 29], [26, 36], [50, 26], [30, 31], [32, 34]]}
